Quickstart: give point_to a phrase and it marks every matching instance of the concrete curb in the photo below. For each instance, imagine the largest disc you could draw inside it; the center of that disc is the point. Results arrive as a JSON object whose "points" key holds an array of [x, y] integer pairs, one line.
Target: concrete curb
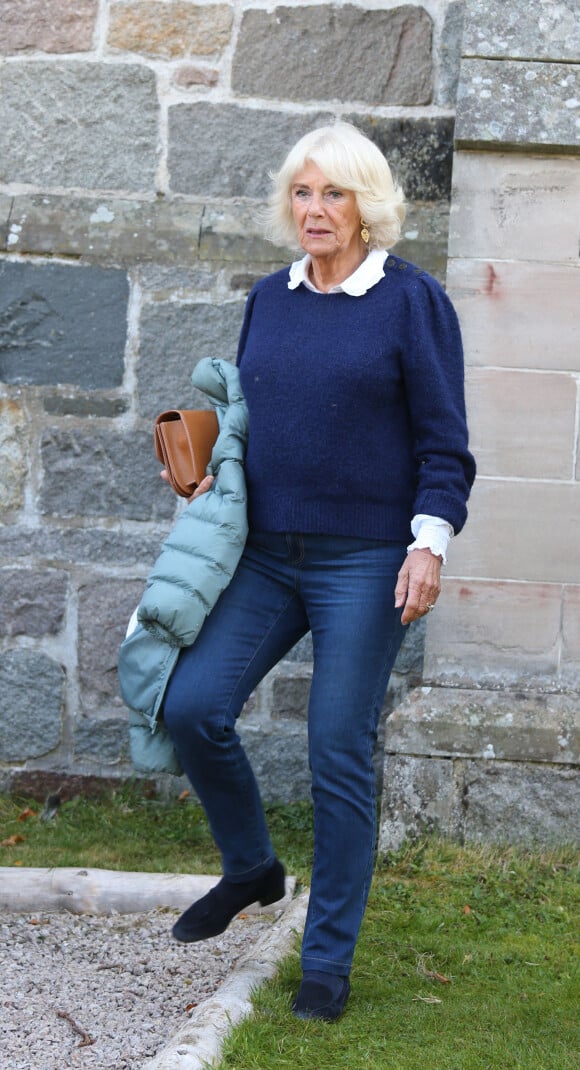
{"points": [[198, 1044]]}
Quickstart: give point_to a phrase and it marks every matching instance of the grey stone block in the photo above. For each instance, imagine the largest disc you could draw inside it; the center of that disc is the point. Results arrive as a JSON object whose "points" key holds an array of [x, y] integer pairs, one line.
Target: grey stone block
{"points": [[243, 281], [105, 607], [492, 725], [302, 652], [232, 232], [240, 146], [98, 121], [32, 602], [290, 694], [224, 150], [32, 689], [279, 760], [13, 459], [251, 708], [106, 229], [174, 337], [502, 802], [97, 473], [549, 31], [522, 105], [419, 152], [521, 803], [420, 797], [424, 237], [290, 681], [163, 283], [89, 405], [410, 657], [482, 765], [450, 52], [322, 52], [5, 210], [81, 546], [396, 691], [104, 741], [62, 324]]}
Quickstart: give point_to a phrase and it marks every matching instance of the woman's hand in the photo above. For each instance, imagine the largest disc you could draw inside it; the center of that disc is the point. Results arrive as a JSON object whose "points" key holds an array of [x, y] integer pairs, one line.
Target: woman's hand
{"points": [[418, 584], [200, 489]]}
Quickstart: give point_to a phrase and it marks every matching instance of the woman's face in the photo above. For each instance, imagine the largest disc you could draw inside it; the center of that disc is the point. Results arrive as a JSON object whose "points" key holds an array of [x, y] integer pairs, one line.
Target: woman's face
{"points": [[327, 217]]}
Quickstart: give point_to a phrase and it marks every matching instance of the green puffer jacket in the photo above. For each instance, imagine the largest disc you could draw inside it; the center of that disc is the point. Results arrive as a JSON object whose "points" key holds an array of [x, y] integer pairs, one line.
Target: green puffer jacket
{"points": [[195, 564]]}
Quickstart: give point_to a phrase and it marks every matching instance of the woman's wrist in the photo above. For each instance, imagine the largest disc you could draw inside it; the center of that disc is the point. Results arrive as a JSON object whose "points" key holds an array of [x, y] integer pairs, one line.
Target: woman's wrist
{"points": [[425, 550], [432, 534]]}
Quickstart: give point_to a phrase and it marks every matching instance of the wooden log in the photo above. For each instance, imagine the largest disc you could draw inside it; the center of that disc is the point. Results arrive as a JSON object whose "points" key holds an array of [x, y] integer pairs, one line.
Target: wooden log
{"points": [[106, 891], [199, 1041]]}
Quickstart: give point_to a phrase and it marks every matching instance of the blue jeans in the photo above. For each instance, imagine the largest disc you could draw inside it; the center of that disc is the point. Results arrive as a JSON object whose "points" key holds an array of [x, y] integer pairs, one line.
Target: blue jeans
{"points": [[342, 590]]}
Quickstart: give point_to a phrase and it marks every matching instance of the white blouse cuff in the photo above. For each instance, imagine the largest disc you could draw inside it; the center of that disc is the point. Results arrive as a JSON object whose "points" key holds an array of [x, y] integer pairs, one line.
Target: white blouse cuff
{"points": [[431, 533]]}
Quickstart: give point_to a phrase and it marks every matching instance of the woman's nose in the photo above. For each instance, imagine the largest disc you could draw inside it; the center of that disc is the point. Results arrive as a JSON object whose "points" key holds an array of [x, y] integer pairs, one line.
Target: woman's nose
{"points": [[316, 205]]}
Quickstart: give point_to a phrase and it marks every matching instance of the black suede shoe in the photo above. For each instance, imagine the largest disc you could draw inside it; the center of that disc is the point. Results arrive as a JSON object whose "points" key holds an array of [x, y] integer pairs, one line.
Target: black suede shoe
{"points": [[212, 914], [317, 999]]}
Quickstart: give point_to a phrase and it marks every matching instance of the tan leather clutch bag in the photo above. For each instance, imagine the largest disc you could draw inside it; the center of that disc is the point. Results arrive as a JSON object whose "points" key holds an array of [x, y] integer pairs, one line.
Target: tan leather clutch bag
{"points": [[184, 439]]}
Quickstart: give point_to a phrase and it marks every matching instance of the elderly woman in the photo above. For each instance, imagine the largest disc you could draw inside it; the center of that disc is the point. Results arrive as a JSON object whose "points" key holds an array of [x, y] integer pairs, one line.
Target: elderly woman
{"points": [[358, 472]]}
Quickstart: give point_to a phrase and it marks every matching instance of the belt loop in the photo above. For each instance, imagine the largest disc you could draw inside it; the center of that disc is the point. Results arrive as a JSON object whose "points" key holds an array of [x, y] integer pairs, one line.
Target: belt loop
{"points": [[295, 544]]}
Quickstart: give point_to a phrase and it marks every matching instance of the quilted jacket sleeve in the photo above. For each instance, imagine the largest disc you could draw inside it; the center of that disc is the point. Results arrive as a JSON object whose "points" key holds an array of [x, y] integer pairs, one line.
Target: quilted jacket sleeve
{"points": [[201, 553], [195, 564]]}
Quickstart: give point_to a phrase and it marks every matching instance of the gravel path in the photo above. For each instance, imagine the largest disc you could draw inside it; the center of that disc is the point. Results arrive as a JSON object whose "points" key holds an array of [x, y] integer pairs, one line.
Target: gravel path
{"points": [[104, 992]]}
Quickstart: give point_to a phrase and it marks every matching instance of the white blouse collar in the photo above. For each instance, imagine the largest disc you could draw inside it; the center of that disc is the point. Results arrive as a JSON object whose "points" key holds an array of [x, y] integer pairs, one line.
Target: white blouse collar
{"points": [[366, 275]]}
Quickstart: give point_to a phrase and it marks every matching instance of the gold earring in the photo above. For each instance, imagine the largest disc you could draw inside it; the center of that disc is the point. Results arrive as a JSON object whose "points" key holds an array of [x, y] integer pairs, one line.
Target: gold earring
{"points": [[365, 235]]}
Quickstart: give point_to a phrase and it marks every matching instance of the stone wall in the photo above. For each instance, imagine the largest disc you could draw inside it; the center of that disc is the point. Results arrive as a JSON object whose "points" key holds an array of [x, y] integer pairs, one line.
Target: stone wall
{"points": [[135, 141], [489, 746]]}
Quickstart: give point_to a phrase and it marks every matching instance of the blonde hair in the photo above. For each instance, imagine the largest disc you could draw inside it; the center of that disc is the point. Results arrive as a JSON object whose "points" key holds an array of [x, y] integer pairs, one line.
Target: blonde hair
{"points": [[350, 160]]}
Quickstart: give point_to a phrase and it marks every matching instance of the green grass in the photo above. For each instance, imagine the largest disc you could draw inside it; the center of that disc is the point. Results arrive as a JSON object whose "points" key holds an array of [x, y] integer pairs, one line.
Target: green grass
{"points": [[499, 924], [496, 925], [128, 830]]}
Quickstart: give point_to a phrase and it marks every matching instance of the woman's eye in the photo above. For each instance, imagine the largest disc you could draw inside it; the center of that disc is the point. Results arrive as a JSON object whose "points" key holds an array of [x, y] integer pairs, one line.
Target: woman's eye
{"points": [[300, 193], [335, 194]]}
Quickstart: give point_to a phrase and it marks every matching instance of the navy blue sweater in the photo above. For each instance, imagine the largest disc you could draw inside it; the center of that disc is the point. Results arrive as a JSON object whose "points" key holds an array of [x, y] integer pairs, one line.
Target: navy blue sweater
{"points": [[356, 406]]}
